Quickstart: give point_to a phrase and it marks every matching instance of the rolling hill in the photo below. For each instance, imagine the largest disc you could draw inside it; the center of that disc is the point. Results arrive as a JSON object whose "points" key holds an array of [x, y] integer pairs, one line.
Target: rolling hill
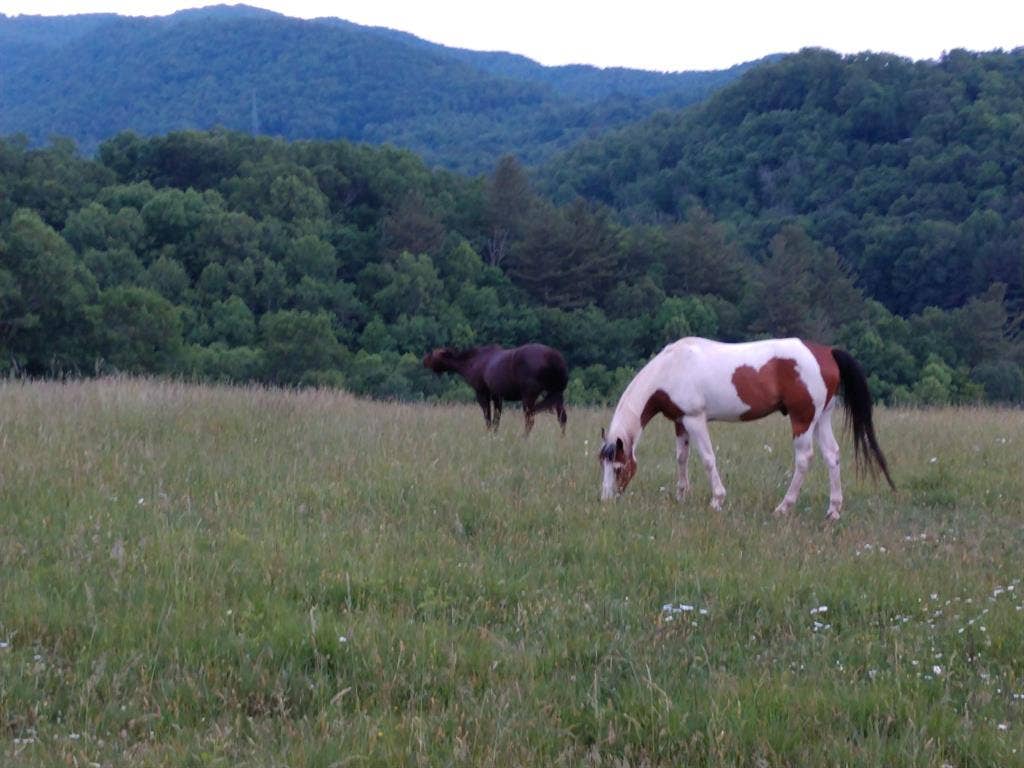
{"points": [[241, 68], [909, 169]]}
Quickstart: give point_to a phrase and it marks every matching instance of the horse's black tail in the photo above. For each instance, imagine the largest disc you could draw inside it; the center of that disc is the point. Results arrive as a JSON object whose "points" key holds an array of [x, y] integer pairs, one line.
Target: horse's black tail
{"points": [[857, 398], [553, 401]]}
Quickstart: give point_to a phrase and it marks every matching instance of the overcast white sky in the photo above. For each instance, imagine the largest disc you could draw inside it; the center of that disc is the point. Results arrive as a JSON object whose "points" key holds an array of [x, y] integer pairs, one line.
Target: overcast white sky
{"points": [[645, 34]]}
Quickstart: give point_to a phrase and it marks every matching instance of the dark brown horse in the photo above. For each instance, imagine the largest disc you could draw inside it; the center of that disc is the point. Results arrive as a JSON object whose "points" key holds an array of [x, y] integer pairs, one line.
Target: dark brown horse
{"points": [[498, 374]]}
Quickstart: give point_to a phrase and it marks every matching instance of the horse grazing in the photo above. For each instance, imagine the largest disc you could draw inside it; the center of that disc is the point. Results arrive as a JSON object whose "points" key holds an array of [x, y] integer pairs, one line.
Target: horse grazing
{"points": [[498, 374], [694, 381]]}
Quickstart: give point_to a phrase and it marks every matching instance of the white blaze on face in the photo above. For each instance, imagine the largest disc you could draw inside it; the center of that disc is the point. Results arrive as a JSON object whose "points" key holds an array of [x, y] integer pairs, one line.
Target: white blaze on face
{"points": [[608, 480]]}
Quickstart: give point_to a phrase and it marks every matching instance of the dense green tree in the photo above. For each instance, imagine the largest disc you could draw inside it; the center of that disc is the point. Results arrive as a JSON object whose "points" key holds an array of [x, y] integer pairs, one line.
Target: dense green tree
{"points": [[700, 258], [233, 323], [407, 284], [44, 292], [167, 277], [95, 226], [910, 170], [204, 270], [310, 256], [509, 200], [568, 256], [137, 331], [805, 289], [295, 343], [119, 266]]}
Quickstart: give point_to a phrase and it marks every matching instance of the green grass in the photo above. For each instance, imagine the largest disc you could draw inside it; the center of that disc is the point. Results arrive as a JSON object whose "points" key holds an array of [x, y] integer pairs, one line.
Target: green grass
{"points": [[212, 576]]}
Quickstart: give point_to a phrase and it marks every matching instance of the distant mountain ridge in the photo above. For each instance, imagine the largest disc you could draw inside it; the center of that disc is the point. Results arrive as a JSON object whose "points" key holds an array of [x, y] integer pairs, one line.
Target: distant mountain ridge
{"points": [[242, 68]]}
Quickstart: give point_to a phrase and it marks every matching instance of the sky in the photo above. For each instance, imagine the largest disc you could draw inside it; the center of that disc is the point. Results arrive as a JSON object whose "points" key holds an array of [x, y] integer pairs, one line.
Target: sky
{"points": [[663, 35]]}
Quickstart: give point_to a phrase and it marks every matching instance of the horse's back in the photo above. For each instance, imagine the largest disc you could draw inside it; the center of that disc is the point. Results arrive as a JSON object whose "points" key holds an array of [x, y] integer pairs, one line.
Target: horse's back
{"points": [[746, 380], [535, 367], [546, 364]]}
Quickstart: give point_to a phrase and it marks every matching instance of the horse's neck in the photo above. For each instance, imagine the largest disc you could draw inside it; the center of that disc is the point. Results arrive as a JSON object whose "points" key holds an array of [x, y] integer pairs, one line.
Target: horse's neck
{"points": [[470, 366], [626, 421]]}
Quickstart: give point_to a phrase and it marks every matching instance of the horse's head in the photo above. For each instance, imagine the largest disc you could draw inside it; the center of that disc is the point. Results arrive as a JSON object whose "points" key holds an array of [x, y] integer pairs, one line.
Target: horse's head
{"points": [[618, 465], [438, 360]]}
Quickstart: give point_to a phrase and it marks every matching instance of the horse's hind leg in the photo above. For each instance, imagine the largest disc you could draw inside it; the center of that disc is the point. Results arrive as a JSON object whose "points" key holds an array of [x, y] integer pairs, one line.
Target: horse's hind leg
{"points": [[559, 405], [830, 451], [803, 451], [554, 402], [697, 428]]}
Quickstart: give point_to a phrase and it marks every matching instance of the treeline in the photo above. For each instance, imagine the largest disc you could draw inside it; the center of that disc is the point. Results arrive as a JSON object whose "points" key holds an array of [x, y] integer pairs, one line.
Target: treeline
{"points": [[223, 257]]}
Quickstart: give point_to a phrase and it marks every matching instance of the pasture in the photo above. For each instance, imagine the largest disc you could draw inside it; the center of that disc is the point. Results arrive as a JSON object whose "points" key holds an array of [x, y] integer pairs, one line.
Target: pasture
{"points": [[215, 576]]}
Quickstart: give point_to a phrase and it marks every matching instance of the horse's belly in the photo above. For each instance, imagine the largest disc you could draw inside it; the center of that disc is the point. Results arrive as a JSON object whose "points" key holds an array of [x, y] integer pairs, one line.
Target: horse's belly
{"points": [[735, 414], [726, 406], [504, 389]]}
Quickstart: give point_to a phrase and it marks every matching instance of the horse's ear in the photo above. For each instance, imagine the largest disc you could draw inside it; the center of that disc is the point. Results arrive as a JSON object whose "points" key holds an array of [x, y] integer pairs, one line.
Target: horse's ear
{"points": [[602, 434]]}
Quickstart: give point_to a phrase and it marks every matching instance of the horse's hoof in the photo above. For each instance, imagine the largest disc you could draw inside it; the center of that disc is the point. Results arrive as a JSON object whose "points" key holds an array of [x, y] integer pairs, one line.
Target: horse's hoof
{"points": [[832, 515], [681, 494], [781, 511]]}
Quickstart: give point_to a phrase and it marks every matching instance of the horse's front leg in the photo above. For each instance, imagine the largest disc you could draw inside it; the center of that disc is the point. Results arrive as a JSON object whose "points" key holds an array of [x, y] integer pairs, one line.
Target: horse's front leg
{"points": [[497, 411], [529, 409], [682, 459], [483, 399], [803, 450], [697, 428]]}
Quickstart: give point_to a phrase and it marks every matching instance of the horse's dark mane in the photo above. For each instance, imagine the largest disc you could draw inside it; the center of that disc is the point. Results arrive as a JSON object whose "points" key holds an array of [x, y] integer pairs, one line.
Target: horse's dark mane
{"points": [[465, 354]]}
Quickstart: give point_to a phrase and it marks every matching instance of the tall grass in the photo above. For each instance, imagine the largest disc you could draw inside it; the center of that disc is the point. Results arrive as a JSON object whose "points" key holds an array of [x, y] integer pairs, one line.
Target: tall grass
{"points": [[216, 576]]}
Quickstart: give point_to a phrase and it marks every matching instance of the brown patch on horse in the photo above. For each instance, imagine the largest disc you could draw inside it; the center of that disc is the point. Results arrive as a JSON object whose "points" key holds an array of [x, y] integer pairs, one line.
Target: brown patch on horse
{"points": [[661, 403], [828, 367], [775, 386]]}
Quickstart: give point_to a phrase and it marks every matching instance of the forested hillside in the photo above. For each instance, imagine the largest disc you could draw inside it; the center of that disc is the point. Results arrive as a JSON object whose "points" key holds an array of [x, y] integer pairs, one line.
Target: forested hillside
{"points": [[244, 69], [221, 256], [912, 171]]}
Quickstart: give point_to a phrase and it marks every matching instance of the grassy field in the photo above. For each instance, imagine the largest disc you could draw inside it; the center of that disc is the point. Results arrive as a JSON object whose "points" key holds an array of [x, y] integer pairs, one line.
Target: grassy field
{"points": [[218, 577]]}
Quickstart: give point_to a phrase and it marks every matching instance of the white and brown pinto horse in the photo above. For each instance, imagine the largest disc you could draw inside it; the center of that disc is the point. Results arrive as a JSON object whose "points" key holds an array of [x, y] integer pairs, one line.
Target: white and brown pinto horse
{"points": [[694, 381]]}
